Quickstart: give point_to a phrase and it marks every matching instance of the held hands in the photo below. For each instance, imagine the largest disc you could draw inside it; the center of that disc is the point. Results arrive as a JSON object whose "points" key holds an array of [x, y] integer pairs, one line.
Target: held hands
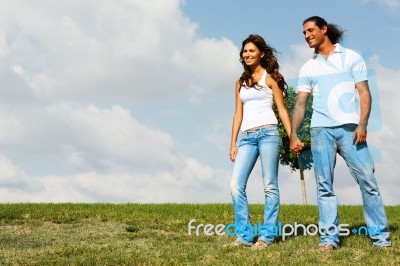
{"points": [[296, 145]]}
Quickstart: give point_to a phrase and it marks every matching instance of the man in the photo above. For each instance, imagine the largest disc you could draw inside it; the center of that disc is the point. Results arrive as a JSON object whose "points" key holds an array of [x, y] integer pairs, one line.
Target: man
{"points": [[337, 78]]}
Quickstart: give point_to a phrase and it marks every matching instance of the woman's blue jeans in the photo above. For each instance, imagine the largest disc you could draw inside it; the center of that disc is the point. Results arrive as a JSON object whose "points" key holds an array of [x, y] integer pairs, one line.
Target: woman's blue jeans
{"points": [[266, 144], [325, 143]]}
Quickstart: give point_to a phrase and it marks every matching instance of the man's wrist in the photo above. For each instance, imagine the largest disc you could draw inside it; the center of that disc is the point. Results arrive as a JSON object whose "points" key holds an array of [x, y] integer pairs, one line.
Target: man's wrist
{"points": [[293, 136]]}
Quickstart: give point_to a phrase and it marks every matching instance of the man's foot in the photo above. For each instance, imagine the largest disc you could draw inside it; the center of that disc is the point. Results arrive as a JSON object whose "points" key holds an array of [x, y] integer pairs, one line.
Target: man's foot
{"points": [[384, 247], [259, 245], [327, 247]]}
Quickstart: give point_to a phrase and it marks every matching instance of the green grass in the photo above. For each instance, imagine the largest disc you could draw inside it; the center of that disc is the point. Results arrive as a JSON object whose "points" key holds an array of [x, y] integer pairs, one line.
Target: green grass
{"points": [[157, 234]]}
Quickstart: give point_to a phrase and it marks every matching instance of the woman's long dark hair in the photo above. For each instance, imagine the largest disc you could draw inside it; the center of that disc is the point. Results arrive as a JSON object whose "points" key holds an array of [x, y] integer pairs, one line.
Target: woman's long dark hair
{"points": [[268, 61], [335, 33]]}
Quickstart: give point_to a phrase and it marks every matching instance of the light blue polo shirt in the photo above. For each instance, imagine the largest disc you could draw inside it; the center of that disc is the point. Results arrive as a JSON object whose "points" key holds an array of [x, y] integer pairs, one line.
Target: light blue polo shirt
{"points": [[332, 84]]}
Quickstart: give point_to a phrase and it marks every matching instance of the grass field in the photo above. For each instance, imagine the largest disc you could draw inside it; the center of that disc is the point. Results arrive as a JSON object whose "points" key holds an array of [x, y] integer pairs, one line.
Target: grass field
{"points": [[157, 234]]}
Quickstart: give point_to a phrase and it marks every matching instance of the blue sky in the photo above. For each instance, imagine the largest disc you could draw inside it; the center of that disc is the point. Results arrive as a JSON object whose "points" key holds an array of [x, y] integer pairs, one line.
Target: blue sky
{"points": [[132, 101]]}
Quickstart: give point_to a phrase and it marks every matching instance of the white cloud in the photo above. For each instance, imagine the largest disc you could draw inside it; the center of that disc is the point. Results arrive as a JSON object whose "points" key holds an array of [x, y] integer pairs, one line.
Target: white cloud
{"points": [[190, 182], [291, 64], [62, 60], [10, 176], [85, 135], [110, 155], [3, 43], [102, 50]]}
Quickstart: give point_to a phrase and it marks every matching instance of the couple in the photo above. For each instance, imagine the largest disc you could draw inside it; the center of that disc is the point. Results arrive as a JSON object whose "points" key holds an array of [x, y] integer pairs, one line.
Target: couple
{"points": [[332, 69]]}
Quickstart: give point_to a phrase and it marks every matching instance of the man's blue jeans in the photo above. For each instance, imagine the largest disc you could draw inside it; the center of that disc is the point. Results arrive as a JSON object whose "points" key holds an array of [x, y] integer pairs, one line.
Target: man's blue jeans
{"points": [[266, 144], [325, 143]]}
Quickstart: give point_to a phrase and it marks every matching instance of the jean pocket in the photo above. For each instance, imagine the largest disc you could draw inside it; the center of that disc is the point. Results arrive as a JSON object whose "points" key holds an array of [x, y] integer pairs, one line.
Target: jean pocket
{"points": [[245, 138], [314, 131]]}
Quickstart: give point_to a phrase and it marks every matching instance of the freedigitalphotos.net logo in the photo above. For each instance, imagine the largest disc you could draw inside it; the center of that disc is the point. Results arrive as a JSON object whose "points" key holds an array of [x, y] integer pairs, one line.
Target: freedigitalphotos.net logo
{"points": [[279, 229]]}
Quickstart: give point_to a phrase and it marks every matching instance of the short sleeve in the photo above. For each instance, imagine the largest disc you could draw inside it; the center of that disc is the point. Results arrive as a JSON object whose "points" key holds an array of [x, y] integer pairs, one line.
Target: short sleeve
{"points": [[304, 82], [359, 69]]}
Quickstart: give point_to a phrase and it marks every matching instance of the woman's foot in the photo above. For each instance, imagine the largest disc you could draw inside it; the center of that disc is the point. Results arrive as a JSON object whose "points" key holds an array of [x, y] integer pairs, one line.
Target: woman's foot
{"points": [[327, 247], [260, 244]]}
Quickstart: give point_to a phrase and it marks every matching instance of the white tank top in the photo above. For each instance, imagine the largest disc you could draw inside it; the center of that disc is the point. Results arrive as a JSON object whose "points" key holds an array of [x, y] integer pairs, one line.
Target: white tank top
{"points": [[257, 105]]}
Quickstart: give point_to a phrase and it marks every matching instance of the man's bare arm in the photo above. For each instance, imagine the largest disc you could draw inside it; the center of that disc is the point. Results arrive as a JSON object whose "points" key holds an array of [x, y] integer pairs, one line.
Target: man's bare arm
{"points": [[298, 113], [297, 119], [365, 102], [360, 134]]}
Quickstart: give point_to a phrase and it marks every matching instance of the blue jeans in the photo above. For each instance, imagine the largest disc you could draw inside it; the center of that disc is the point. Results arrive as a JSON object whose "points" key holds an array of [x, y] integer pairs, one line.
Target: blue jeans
{"points": [[266, 144], [325, 143]]}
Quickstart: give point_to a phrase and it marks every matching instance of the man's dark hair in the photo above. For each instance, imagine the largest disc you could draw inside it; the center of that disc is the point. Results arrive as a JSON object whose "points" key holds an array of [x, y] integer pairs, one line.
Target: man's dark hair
{"points": [[335, 33]]}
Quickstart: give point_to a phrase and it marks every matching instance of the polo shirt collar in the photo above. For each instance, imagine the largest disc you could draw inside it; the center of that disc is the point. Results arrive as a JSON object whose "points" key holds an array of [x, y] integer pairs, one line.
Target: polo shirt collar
{"points": [[338, 49]]}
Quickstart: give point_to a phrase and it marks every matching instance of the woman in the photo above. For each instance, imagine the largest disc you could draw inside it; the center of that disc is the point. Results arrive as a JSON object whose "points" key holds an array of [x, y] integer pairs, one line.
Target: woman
{"points": [[258, 87]]}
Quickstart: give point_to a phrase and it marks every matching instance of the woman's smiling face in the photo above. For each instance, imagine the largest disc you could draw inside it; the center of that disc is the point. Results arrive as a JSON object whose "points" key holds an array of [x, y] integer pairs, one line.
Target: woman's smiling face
{"points": [[251, 54]]}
